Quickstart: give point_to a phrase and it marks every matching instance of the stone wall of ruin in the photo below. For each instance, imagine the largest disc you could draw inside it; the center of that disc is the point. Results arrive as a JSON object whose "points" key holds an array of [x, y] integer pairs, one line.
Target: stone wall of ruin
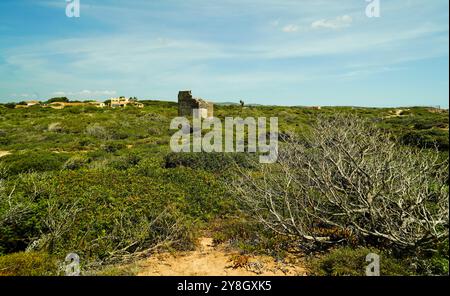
{"points": [[186, 103]]}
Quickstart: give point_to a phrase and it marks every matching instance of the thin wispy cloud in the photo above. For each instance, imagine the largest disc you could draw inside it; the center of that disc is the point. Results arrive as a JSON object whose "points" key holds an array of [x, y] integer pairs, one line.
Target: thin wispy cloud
{"points": [[85, 93], [334, 24], [290, 28], [248, 49]]}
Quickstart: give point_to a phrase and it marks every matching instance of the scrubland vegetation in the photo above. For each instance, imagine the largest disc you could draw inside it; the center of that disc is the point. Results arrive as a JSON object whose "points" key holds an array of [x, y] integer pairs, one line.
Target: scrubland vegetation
{"points": [[104, 184]]}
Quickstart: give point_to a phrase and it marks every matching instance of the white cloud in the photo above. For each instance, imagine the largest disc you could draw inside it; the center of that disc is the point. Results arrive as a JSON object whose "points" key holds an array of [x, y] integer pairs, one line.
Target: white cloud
{"points": [[149, 60], [86, 92], [334, 24], [290, 28], [158, 66]]}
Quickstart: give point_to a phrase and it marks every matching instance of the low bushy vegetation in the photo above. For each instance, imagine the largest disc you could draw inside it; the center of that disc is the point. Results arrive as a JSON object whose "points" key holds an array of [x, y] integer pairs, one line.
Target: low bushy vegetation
{"points": [[34, 161], [350, 183], [348, 261], [28, 264], [104, 184], [209, 161]]}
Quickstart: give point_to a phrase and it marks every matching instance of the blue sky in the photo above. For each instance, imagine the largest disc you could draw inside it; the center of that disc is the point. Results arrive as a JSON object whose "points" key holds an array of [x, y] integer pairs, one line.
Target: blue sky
{"points": [[284, 52]]}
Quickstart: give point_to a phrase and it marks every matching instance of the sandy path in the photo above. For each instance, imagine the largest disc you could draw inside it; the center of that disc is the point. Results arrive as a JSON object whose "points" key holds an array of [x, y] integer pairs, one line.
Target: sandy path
{"points": [[397, 113], [4, 153], [208, 259]]}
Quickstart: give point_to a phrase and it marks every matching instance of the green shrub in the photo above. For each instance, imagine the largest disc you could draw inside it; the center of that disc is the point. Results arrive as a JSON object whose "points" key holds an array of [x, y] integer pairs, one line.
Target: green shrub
{"points": [[99, 214], [346, 261], [57, 100], [208, 161], [4, 169], [117, 134], [426, 139], [436, 263], [125, 161], [423, 126], [21, 213], [112, 147], [75, 162], [37, 161], [28, 264], [116, 270], [112, 201], [10, 105], [250, 237], [4, 141]]}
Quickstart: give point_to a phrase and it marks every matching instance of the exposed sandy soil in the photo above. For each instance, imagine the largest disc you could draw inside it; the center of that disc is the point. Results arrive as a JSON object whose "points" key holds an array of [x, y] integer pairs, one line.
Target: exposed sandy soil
{"points": [[397, 113], [209, 259], [4, 153]]}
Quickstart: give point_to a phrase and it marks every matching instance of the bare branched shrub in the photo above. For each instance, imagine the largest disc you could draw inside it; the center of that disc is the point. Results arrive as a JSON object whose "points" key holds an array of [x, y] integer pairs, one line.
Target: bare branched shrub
{"points": [[98, 131], [13, 207], [135, 238], [58, 221], [349, 180]]}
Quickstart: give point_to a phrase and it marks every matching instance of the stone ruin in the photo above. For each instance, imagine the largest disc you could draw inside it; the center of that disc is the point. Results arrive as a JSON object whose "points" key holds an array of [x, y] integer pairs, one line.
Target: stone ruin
{"points": [[186, 103]]}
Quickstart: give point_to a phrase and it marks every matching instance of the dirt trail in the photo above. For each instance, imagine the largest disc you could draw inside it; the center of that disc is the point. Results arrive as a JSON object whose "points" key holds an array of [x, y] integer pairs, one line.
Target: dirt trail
{"points": [[4, 153], [209, 259], [397, 113]]}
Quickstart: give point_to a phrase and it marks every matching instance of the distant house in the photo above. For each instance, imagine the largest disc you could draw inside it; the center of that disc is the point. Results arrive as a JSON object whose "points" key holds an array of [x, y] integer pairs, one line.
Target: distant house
{"points": [[122, 102], [115, 103], [98, 104]]}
